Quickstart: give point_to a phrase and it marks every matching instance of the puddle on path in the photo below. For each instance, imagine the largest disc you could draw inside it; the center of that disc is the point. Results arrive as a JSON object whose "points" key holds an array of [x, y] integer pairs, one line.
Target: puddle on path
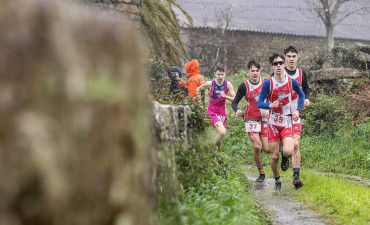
{"points": [[282, 209]]}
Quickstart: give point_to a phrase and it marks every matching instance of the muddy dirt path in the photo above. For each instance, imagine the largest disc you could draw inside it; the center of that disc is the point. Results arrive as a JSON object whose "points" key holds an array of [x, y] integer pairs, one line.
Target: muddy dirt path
{"points": [[282, 209]]}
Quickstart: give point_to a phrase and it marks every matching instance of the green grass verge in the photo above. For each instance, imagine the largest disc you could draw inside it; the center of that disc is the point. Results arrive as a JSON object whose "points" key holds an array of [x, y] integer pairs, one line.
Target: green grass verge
{"points": [[339, 200], [347, 152]]}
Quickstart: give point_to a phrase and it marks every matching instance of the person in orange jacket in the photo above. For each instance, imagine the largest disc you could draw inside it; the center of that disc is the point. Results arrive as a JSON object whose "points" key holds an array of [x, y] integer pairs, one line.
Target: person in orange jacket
{"points": [[195, 79]]}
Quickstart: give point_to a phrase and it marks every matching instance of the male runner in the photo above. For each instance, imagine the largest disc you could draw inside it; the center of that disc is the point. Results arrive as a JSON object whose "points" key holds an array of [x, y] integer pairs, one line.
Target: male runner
{"points": [[291, 60], [255, 118], [220, 90], [279, 90]]}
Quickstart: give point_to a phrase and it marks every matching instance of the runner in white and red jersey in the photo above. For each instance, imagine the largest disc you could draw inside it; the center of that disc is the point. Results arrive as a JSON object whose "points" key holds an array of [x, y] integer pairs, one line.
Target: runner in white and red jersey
{"points": [[291, 60], [279, 90], [255, 119]]}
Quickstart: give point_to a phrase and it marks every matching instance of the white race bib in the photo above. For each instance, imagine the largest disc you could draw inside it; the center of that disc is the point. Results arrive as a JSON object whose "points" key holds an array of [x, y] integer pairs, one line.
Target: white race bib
{"points": [[221, 118], [252, 126], [280, 120]]}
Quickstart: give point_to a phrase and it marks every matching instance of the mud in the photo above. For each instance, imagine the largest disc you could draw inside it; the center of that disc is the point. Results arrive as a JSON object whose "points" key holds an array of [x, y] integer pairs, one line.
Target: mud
{"points": [[281, 208]]}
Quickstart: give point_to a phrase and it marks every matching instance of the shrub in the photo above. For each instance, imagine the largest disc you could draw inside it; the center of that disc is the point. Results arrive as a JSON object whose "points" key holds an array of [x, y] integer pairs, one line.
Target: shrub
{"points": [[326, 115]]}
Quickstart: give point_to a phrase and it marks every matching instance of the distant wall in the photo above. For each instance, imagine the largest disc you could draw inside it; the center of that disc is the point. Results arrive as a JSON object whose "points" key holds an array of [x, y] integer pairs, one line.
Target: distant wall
{"points": [[239, 47]]}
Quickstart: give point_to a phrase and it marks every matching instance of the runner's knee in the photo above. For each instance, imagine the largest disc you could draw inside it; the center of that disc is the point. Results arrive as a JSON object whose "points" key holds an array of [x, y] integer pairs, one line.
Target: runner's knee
{"points": [[288, 151], [222, 132], [296, 145], [257, 145], [275, 156]]}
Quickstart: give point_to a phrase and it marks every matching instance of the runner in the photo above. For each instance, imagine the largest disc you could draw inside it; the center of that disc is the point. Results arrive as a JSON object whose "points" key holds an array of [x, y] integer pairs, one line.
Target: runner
{"points": [[291, 60], [255, 119], [220, 90], [279, 89]]}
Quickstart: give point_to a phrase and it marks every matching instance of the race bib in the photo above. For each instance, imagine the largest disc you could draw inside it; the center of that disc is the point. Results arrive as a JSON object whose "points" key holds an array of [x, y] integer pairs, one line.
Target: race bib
{"points": [[221, 118], [280, 120], [252, 126]]}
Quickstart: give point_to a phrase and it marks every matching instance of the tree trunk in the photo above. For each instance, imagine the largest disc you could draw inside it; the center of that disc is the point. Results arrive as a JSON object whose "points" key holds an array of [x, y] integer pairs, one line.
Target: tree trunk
{"points": [[329, 38]]}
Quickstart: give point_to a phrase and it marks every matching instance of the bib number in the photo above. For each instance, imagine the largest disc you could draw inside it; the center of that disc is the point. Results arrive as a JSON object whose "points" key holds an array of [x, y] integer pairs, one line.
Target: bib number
{"points": [[252, 126], [280, 120]]}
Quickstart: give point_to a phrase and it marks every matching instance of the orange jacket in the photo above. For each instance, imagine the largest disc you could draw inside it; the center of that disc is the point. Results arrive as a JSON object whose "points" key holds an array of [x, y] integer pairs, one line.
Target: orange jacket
{"points": [[195, 79]]}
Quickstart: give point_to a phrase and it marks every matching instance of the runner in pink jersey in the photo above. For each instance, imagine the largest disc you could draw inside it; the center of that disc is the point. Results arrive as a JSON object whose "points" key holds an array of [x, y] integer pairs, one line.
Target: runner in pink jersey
{"points": [[279, 89], [255, 119], [220, 90]]}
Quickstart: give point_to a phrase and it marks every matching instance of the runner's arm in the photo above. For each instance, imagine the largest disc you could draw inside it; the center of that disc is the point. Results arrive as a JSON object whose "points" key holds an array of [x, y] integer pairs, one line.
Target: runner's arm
{"points": [[230, 91], [300, 93], [242, 91], [263, 95], [305, 87], [203, 86]]}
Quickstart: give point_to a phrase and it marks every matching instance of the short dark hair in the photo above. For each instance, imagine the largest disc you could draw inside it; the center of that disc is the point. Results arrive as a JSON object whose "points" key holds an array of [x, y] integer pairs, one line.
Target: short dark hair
{"points": [[271, 58], [274, 56], [220, 67], [290, 48], [253, 63]]}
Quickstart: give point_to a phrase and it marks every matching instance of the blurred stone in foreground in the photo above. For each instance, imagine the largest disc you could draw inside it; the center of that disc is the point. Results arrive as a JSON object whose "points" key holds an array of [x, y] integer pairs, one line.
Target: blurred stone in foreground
{"points": [[74, 118]]}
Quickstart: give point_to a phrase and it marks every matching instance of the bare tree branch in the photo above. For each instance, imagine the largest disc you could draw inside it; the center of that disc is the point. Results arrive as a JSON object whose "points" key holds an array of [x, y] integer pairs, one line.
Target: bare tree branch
{"points": [[350, 13]]}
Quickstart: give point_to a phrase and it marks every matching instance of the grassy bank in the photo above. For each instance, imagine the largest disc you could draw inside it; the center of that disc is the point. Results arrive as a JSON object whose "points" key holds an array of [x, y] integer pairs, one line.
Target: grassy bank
{"points": [[212, 188]]}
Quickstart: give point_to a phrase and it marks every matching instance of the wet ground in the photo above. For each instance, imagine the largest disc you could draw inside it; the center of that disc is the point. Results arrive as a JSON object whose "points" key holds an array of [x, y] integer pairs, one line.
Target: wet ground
{"points": [[282, 209]]}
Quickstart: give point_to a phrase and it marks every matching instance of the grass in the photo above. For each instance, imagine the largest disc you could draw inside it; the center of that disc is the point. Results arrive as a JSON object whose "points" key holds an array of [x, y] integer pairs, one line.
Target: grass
{"points": [[213, 189], [339, 200], [347, 152]]}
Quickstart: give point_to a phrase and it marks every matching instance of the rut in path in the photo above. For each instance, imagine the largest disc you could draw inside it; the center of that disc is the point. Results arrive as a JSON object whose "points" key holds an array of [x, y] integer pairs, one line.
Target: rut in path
{"points": [[282, 209]]}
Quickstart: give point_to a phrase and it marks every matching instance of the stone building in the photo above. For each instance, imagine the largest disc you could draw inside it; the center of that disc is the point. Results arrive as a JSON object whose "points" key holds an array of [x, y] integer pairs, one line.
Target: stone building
{"points": [[236, 31]]}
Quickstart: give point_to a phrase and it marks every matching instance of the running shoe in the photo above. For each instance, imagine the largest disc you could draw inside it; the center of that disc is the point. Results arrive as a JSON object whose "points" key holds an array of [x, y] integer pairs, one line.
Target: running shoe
{"points": [[297, 182], [261, 178], [284, 162], [277, 186]]}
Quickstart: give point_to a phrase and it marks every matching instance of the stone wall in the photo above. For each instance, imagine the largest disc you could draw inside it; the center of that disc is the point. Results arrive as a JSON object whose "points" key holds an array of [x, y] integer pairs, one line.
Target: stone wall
{"points": [[75, 118], [239, 47], [171, 134]]}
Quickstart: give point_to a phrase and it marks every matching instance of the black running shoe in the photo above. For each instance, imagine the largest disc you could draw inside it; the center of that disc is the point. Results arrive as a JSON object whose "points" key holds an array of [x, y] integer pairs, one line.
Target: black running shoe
{"points": [[297, 182], [277, 186], [284, 162], [261, 178]]}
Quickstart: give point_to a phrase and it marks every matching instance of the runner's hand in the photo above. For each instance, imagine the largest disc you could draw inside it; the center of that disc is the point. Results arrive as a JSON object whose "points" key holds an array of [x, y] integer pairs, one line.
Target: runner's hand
{"points": [[306, 102], [275, 104], [238, 113], [266, 113], [296, 115], [223, 94]]}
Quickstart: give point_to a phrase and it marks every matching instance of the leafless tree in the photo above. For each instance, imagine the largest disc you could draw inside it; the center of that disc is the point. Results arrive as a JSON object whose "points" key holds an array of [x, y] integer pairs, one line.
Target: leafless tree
{"points": [[223, 20], [333, 12]]}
